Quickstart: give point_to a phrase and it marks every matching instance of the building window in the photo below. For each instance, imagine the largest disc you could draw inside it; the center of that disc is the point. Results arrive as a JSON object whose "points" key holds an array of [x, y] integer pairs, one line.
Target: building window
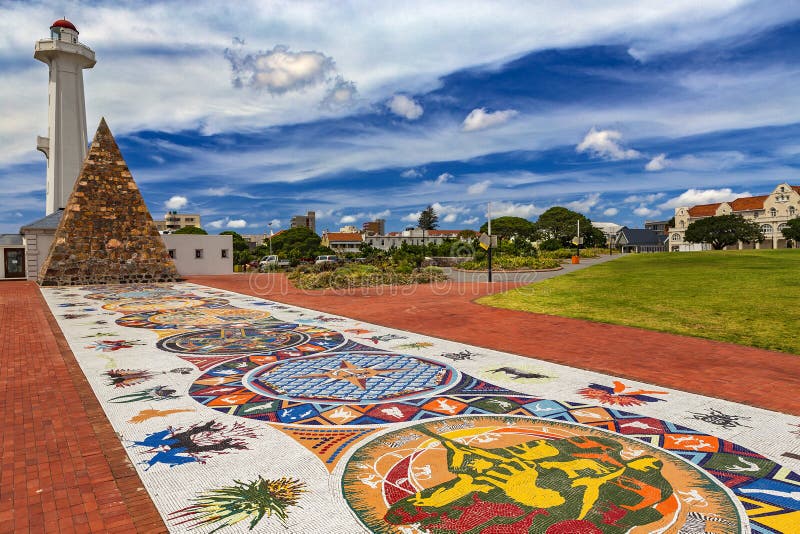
{"points": [[224, 252], [198, 253], [766, 229], [683, 223], [792, 211], [773, 212], [676, 237], [171, 253]]}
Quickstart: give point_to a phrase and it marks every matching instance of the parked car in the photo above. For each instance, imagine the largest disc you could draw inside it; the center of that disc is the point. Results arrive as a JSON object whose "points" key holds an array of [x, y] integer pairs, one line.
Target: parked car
{"points": [[326, 259], [272, 261]]}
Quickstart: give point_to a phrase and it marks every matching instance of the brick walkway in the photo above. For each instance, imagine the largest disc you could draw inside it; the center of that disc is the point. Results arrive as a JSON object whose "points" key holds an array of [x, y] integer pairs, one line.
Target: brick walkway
{"points": [[63, 468], [751, 376]]}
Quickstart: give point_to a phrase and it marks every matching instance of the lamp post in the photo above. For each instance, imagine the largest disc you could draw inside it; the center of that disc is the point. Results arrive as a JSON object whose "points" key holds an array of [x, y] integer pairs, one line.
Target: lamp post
{"points": [[489, 229], [270, 238]]}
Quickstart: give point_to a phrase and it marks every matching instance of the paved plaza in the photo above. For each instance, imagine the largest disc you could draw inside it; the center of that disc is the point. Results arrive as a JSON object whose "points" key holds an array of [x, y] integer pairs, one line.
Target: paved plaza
{"points": [[236, 403]]}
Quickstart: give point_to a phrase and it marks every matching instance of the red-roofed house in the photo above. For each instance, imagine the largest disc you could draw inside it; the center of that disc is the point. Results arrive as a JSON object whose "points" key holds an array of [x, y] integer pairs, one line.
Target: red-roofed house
{"points": [[343, 242], [771, 211]]}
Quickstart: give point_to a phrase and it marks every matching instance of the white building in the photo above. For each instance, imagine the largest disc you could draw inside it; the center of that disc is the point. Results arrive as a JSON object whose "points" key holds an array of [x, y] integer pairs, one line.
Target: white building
{"points": [[66, 142], [415, 236], [200, 254]]}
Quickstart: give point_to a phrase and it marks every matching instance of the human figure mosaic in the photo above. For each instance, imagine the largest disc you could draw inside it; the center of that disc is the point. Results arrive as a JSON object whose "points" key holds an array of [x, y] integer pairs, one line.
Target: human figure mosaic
{"points": [[293, 421]]}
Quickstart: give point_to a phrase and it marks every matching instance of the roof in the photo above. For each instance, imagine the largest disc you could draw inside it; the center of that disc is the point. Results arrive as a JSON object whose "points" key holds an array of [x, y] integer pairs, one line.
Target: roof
{"points": [[49, 222], [10, 239], [640, 236], [343, 236], [749, 203], [795, 187], [434, 233], [64, 23], [703, 210]]}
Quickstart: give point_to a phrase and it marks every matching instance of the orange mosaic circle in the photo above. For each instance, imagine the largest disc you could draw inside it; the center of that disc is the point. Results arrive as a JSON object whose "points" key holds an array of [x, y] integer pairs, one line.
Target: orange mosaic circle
{"points": [[484, 474]]}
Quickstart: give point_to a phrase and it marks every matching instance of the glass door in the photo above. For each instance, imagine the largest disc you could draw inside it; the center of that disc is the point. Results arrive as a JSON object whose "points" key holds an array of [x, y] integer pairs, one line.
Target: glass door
{"points": [[14, 261]]}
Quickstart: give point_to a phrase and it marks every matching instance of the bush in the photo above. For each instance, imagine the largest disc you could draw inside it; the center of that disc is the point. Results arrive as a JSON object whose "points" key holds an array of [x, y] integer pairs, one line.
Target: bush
{"points": [[512, 263], [357, 275], [550, 245]]}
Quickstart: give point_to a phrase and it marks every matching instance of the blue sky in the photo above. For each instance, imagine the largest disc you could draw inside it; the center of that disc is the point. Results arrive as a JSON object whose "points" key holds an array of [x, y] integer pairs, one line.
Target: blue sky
{"points": [[260, 110]]}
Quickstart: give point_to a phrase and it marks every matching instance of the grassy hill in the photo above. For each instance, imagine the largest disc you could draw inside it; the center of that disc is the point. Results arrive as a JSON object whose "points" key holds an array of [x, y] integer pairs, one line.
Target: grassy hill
{"points": [[745, 297]]}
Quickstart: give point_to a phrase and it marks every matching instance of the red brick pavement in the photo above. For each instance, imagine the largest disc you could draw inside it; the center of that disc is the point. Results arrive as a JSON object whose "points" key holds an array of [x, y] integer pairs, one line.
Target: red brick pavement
{"points": [[741, 374], [63, 467]]}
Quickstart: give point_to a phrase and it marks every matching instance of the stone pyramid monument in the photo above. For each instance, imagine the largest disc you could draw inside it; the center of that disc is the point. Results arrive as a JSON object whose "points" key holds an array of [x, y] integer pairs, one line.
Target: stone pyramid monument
{"points": [[106, 235]]}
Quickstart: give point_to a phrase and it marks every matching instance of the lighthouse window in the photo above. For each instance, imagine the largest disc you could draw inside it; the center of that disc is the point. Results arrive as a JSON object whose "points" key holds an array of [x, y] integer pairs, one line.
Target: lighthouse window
{"points": [[54, 34]]}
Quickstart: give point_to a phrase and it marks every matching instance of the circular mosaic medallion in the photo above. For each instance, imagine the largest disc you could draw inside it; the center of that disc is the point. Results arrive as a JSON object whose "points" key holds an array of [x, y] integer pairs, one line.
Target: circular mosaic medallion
{"points": [[195, 318], [162, 304], [130, 292], [352, 378], [482, 474], [252, 340]]}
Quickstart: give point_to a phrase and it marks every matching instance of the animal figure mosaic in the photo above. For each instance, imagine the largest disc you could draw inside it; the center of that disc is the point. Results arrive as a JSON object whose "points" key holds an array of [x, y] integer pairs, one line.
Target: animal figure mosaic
{"points": [[481, 458]]}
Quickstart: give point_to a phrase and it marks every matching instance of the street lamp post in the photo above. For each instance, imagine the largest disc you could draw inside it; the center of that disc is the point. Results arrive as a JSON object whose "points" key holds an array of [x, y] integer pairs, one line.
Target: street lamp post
{"points": [[270, 238]]}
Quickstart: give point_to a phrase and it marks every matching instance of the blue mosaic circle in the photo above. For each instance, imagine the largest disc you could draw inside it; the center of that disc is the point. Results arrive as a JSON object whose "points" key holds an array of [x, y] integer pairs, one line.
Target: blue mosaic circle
{"points": [[352, 378]]}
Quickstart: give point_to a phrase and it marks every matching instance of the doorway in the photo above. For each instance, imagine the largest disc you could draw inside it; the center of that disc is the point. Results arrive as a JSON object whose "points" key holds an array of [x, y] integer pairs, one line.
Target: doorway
{"points": [[14, 262]]}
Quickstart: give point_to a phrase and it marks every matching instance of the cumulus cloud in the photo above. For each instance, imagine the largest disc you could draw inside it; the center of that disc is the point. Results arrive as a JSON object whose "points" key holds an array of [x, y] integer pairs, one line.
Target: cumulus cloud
{"points": [[606, 144], [176, 202], [276, 223], [341, 93], [478, 188], [658, 163], [643, 199], [610, 212], [471, 220], [512, 209], [236, 223], [443, 178], [347, 219], [586, 204], [227, 222], [278, 70], [448, 213], [411, 173], [692, 197], [644, 211], [450, 218], [480, 119], [403, 106]]}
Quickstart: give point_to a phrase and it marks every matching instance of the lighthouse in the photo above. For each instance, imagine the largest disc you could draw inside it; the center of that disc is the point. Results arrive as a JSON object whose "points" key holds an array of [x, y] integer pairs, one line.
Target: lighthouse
{"points": [[66, 143]]}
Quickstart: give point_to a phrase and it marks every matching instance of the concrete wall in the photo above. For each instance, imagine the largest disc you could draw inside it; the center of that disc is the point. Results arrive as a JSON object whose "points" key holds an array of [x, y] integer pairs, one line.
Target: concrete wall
{"points": [[212, 246], [37, 245]]}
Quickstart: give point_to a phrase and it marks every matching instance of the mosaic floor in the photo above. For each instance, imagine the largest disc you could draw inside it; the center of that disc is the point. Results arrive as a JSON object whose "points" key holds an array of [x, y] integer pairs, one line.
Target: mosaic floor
{"points": [[244, 414]]}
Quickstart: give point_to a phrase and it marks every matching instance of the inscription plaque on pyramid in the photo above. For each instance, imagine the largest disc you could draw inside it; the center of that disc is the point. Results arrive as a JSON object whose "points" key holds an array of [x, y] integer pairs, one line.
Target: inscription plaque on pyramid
{"points": [[106, 235]]}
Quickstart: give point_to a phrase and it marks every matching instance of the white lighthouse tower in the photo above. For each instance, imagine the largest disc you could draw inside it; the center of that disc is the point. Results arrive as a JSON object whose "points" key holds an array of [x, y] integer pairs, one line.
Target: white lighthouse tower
{"points": [[65, 144]]}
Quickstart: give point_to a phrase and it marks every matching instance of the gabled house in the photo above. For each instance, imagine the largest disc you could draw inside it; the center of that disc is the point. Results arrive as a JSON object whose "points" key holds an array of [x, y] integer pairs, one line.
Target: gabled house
{"points": [[640, 240]]}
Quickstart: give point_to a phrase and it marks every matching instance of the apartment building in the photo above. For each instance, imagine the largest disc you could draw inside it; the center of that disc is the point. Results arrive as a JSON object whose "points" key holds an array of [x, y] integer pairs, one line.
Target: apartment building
{"points": [[175, 221]]}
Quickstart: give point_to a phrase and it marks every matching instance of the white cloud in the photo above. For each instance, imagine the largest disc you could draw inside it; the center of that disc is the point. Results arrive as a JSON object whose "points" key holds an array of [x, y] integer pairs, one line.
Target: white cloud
{"points": [[276, 223], [412, 217], [610, 212], [512, 209], [403, 106], [411, 173], [658, 163], [176, 202], [219, 223], [236, 223], [218, 191], [586, 204], [279, 70], [443, 178], [692, 197], [479, 119], [450, 218], [341, 93], [644, 211], [643, 199], [347, 219], [479, 188], [471, 220], [380, 215], [605, 144]]}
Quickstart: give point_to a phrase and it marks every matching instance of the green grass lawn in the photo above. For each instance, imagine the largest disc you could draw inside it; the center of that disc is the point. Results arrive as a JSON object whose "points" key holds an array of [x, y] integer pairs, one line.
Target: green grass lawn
{"points": [[745, 297]]}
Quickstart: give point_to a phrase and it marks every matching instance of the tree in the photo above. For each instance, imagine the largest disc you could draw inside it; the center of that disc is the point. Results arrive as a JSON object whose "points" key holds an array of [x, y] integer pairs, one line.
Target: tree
{"points": [[297, 243], [562, 224], [792, 230], [239, 243], [723, 230], [190, 230], [508, 227], [428, 219]]}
